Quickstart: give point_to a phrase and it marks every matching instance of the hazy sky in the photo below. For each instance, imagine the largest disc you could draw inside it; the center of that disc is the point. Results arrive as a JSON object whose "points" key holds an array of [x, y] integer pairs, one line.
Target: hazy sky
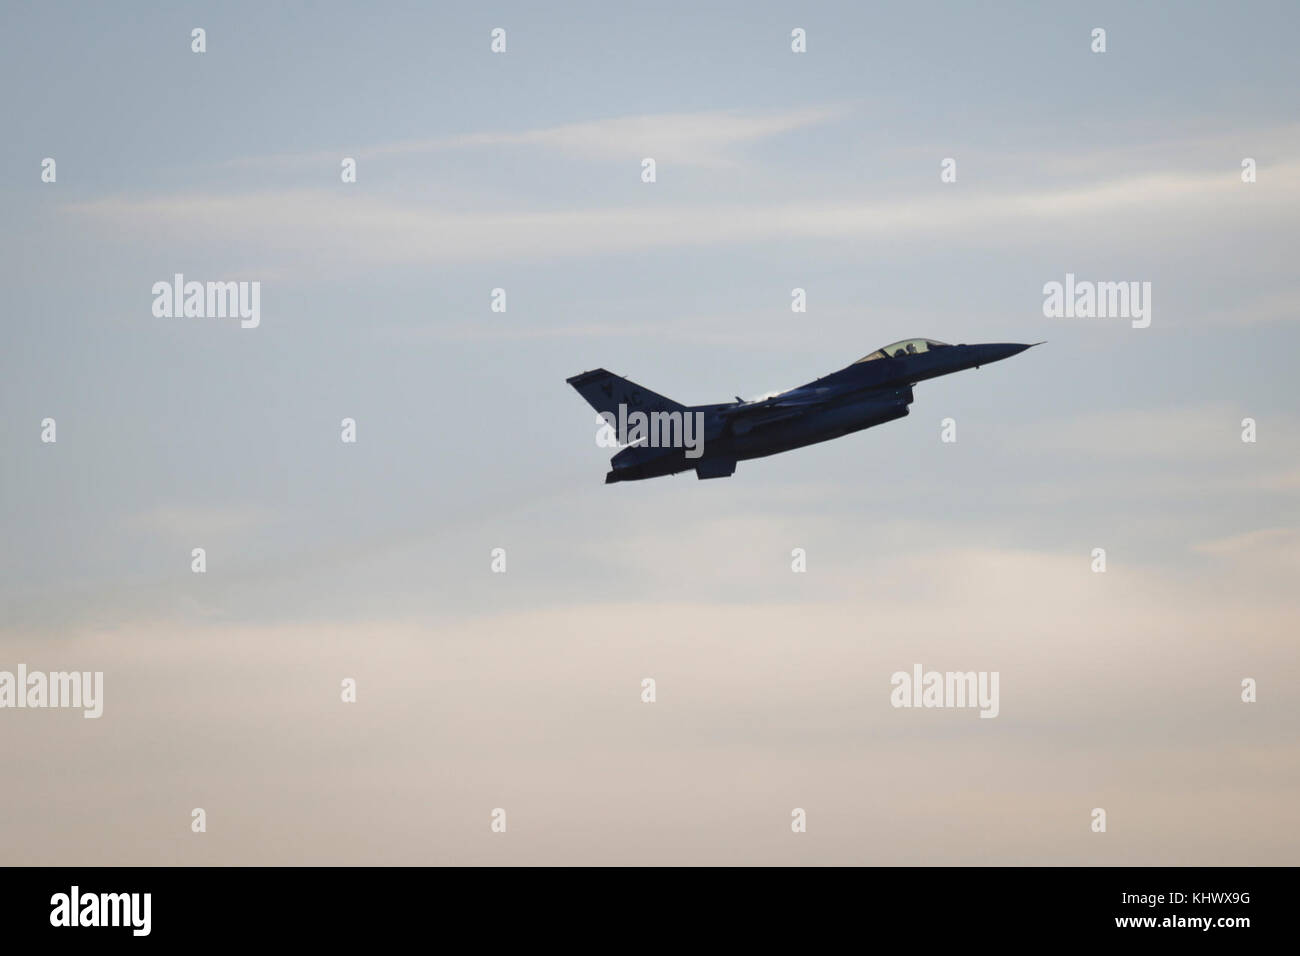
{"points": [[522, 171]]}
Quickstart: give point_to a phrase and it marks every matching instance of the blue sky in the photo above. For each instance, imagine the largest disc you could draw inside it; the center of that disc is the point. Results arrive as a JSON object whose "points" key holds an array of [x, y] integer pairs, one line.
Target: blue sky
{"points": [[775, 171]]}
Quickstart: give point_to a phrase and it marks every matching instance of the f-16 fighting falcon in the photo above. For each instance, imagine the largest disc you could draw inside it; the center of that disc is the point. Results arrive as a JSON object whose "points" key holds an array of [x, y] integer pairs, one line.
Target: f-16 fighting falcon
{"points": [[664, 437]]}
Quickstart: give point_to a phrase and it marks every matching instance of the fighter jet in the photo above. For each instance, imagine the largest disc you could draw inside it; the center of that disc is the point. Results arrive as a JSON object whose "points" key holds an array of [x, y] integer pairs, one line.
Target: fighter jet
{"points": [[663, 437]]}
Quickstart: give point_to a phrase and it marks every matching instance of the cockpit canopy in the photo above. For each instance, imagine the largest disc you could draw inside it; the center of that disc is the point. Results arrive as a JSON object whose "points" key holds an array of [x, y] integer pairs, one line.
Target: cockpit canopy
{"points": [[903, 349]]}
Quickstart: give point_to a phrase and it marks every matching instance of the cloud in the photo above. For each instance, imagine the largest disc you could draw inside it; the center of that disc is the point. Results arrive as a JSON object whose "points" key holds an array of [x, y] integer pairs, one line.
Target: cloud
{"points": [[1138, 147], [1116, 690], [1264, 544], [706, 139], [326, 230]]}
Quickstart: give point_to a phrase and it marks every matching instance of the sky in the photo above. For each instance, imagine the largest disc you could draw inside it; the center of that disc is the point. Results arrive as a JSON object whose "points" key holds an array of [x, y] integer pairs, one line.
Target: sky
{"points": [[372, 561]]}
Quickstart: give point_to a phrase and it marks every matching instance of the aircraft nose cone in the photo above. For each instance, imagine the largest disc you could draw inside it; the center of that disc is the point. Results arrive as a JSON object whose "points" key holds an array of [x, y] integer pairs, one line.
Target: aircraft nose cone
{"points": [[997, 351]]}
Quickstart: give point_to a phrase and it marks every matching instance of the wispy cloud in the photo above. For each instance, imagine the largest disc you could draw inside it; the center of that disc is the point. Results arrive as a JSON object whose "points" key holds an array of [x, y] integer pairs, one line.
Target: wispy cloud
{"points": [[1260, 543], [756, 692], [707, 139], [319, 228]]}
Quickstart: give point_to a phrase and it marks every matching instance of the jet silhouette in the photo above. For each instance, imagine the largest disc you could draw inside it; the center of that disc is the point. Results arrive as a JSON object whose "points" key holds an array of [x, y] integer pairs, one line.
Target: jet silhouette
{"points": [[669, 437]]}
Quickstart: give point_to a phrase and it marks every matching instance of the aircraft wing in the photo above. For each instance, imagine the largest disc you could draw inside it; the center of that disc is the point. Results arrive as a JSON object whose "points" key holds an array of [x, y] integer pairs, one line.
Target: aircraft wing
{"points": [[789, 401], [745, 416]]}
